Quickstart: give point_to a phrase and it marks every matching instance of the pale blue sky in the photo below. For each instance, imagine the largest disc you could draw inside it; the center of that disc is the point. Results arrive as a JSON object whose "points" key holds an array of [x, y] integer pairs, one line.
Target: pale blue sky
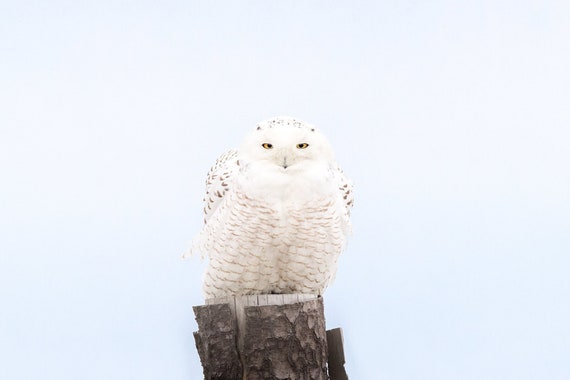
{"points": [[451, 117]]}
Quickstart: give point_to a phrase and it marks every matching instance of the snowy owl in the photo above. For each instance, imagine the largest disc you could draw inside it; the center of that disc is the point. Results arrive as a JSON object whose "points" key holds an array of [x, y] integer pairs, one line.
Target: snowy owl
{"points": [[276, 213]]}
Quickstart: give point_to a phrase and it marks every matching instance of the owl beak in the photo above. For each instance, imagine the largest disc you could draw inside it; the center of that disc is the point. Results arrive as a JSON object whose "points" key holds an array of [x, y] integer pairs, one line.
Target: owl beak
{"points": [[285, 163]]}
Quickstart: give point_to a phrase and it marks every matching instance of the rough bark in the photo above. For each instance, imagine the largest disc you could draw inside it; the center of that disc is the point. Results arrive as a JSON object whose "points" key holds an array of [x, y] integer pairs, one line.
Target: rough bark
{"points": [[216, 342], [264, 337], [286, 342]]}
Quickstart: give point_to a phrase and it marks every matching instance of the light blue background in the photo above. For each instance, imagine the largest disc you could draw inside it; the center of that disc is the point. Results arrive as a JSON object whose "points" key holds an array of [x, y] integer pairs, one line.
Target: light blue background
{"points": [[451, 117]]}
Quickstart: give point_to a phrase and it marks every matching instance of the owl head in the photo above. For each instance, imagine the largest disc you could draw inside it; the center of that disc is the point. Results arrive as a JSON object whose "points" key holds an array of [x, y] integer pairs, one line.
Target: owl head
{"points": [[286, 144]]}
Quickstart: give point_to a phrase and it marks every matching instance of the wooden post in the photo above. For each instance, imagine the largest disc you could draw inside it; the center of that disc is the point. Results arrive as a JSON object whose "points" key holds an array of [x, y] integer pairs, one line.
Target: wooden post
{"points": [[215, 341], [275, 336], [335, 343]]}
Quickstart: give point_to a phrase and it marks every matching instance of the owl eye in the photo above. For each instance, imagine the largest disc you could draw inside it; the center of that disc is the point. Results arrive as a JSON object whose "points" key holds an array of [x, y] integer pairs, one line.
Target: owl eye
{"points": [[302, 145], [267, 145]]}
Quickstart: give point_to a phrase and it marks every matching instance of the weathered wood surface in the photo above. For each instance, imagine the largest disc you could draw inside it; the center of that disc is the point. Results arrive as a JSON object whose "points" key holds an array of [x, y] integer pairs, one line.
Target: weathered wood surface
{"points": [[335, 344], [264, 337], [286, 342], [215, 342]]}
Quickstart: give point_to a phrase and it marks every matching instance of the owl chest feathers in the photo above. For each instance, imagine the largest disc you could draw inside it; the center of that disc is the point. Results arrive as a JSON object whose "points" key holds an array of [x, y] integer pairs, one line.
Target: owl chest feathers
{"points": [[274, 234], [284, 189], [276, 209]]}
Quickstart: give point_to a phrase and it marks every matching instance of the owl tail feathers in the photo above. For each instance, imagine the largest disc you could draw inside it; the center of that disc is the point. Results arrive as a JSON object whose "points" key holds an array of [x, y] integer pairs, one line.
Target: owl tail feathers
{"points": [[195, 247], [187, 253]]}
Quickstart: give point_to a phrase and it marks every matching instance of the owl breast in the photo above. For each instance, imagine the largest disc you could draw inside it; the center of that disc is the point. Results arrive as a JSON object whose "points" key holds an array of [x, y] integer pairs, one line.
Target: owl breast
{"points": [[276, 231]]}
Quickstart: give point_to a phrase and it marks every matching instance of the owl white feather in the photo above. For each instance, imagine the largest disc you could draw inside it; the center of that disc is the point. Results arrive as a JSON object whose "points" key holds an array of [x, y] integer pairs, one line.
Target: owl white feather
{"points": [[276, 213]]}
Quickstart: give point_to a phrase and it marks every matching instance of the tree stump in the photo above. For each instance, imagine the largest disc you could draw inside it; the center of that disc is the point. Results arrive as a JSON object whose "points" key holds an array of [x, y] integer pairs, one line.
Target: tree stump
{"points": [[276, 336]]}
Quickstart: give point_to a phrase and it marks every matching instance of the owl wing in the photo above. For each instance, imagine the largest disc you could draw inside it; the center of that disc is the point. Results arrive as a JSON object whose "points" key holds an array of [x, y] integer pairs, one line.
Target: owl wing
{"points": [[218, 181], [345, 189]]}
